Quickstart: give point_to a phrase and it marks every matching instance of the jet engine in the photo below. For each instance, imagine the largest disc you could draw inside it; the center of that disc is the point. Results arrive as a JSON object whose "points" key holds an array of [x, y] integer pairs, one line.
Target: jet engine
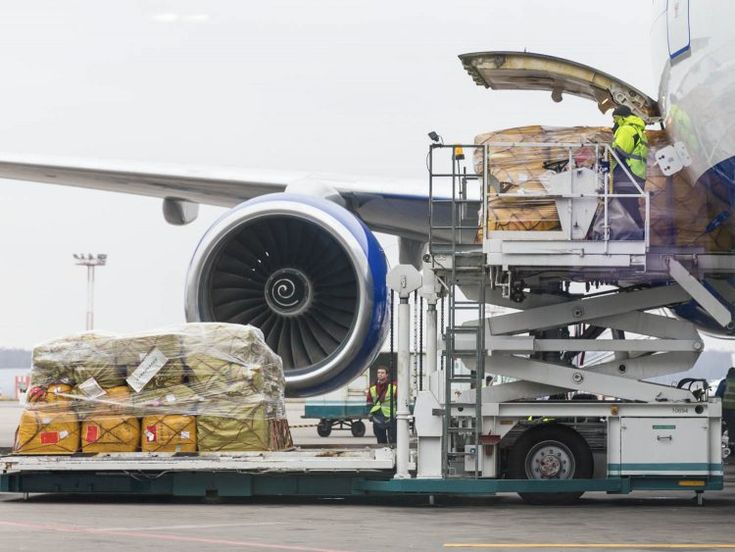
{"points": [[306, 272]]}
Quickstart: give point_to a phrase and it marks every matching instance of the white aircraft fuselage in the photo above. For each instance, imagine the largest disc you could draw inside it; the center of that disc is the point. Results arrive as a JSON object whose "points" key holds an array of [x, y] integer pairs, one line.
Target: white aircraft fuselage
{"points": [[694, 54]]}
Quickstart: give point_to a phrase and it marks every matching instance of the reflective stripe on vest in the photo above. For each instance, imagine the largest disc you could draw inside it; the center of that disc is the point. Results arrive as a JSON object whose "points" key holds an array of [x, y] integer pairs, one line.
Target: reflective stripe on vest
{"points": [[728, 399], [385, 406]]}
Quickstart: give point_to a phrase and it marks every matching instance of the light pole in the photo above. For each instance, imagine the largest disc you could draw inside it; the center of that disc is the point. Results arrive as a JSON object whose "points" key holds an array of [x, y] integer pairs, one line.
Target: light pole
{"points": [[90, 261]]}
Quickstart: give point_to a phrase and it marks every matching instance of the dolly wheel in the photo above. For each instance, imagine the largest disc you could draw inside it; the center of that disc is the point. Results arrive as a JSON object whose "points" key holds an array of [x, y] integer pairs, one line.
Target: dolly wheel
{"points": [[324, 428], [550, 452], [358, 429]]}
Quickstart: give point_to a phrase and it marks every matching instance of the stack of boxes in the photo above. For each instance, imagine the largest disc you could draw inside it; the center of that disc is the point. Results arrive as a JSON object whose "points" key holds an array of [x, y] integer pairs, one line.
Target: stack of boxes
{"points": [[681, 210], [197, 388]]}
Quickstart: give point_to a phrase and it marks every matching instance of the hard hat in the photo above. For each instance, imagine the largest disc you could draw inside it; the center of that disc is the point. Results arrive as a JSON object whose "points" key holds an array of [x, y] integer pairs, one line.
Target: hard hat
{"points": [[622, 111]]}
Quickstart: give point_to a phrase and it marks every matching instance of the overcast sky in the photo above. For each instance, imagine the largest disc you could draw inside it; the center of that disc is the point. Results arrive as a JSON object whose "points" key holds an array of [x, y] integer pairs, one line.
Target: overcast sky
{"points": [[341, 86]]}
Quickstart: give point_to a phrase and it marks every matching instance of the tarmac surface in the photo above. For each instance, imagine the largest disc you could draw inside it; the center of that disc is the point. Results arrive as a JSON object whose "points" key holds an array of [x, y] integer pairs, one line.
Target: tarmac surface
{"points": [[640, 521]]}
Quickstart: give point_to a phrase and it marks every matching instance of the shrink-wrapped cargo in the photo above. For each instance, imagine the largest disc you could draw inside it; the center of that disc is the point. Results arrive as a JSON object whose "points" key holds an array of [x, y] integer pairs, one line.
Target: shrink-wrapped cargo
{"points": [[108, 424], [682, 212], [171, 433], [217, 376], [55, 397], [518, 169], [241, 428], [74, 359], [139, 351], [42, 432], [109, 433], [180, 399]]}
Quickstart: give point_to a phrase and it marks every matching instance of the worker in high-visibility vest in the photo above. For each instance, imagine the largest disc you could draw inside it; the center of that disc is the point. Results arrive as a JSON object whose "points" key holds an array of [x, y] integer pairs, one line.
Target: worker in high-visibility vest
{"points": [[726, 391], [381, 398], [631, 146]]}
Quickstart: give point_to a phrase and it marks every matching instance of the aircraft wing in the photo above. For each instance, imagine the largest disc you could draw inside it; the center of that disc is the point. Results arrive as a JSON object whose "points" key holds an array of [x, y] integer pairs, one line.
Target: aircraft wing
{"points": [[222, 187], [395, 207]]}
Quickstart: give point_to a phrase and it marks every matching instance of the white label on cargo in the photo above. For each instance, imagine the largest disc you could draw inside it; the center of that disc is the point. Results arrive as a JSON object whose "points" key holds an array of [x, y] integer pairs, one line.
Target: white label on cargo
{"points": [[170, 398], [91, 388], [149, 367], [63, 434], [184, 434]]}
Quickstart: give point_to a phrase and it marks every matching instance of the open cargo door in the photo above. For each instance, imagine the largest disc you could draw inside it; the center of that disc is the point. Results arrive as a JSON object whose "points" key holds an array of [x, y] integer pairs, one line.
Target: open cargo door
{"points": [[526, 71]]}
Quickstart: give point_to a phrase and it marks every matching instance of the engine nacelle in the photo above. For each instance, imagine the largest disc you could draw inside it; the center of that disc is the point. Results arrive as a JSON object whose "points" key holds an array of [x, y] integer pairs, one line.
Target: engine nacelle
{"points": [[306, 272]]}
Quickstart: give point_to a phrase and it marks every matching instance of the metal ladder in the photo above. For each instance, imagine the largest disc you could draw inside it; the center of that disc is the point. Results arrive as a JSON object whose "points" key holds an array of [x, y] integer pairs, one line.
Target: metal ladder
{"points": [[462, 424], [451, 235]]}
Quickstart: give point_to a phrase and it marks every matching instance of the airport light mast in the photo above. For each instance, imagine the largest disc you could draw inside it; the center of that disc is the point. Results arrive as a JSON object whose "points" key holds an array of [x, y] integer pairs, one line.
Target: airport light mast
{"points": [[91, 262]]}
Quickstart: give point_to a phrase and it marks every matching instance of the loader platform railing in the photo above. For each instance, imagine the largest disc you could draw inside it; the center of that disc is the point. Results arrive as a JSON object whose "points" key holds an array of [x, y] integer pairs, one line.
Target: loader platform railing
{"points": [[592, 228]]}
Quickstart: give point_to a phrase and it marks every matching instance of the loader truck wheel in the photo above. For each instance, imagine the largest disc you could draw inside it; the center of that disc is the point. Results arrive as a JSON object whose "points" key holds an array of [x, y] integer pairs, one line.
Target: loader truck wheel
{"points": [[324, 428], [358, 428], [550, 452]]}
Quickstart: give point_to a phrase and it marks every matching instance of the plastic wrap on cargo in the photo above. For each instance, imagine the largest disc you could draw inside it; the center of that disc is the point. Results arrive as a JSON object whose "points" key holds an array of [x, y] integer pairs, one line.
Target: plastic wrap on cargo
{"points": [[170, 433], [47, 433], [76, 358], [526, 170], [681, 211], [157, 391]]}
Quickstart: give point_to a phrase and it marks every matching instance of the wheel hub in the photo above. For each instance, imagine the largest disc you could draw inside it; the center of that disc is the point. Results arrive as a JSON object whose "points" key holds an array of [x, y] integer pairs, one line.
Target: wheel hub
{"points": [[549, 466], [550, 460]]}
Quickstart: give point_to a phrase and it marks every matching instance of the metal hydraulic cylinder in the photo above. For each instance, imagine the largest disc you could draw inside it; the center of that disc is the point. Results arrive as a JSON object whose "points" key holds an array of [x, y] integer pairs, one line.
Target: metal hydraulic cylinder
{"points": [[429, 291], [403, 413], [403, 279], [431, 340]]}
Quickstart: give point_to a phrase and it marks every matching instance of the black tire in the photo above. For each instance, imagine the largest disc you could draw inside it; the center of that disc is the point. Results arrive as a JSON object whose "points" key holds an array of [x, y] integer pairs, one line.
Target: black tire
{"points": [[568, 443], [358, 428], [324, 428]]}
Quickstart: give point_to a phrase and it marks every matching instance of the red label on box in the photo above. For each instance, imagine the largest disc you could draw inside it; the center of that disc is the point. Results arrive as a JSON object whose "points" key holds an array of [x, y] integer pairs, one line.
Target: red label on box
{"points": [[151, 433], [92, 434], [49, 437]]}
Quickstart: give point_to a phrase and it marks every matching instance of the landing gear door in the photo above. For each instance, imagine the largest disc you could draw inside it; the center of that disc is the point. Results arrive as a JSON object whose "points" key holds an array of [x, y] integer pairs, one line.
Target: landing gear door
{"points": [[526, 71]]}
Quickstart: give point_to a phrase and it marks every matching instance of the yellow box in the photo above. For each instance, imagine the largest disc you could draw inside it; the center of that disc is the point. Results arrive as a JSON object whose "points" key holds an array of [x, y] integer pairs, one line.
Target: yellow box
{"points": [[110, 434], [245, 428], [47, 433], [172, 433]]}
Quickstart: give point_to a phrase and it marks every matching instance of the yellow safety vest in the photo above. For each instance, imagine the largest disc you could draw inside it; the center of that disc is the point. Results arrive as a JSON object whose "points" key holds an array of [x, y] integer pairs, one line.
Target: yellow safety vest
{"points": [[385, 406], [631, 145]]}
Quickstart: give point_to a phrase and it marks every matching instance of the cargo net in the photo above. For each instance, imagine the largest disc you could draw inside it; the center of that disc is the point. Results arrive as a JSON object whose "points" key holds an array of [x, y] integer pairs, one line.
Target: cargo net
{"points": [[204, 387], [683, 213]]}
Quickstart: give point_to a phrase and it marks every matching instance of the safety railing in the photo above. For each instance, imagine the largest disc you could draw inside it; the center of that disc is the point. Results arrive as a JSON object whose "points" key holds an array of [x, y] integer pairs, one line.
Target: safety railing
{"points": [[575, 176]]}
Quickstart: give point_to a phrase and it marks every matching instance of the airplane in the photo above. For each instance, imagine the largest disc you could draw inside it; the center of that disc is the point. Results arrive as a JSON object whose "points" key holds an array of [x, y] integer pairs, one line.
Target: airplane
{"points": [[295, 254]]}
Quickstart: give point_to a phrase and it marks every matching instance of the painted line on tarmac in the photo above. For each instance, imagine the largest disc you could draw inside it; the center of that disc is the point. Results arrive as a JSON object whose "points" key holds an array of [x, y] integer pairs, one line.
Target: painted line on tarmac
{"points": [[531, 546], [164, 537], [202, 526]]}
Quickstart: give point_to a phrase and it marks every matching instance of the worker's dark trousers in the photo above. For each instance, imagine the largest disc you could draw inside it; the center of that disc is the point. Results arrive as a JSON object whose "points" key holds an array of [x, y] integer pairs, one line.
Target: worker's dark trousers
{"points": [[728, 416], [623, 185], [384, 429]]}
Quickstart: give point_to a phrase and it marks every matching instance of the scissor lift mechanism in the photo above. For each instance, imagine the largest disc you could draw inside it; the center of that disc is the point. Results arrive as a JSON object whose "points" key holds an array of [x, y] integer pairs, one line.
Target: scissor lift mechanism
{"points": [[663, 436]]}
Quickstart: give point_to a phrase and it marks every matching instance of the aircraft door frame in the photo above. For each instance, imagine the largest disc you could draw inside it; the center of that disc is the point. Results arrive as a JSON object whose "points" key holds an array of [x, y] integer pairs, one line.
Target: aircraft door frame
{"points": [[678, 33]]}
